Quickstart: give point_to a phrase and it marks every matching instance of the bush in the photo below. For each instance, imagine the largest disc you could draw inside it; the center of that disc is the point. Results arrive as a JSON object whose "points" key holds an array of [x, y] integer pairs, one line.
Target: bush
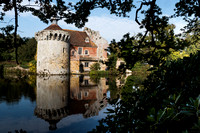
{"points": [[32, 66], [100, 73], [95, 67]]}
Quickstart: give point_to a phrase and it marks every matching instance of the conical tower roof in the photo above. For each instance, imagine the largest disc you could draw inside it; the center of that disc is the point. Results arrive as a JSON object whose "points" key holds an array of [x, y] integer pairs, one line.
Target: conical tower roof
{"points": [[54, 25]]}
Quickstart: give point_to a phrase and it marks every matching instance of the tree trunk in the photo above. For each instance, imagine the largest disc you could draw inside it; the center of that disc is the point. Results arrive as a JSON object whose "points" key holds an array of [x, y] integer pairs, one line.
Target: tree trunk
{"points": [[15, 32]]}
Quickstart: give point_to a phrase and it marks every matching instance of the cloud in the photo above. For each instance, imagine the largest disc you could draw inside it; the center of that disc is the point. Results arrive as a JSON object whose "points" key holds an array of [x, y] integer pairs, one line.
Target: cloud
{"points": [[113, 27], [179, 23], [110, 27]]}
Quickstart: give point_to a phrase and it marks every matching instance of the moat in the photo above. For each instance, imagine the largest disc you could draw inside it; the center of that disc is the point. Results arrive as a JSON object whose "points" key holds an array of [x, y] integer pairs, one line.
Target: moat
{"points": [[56, 103]]}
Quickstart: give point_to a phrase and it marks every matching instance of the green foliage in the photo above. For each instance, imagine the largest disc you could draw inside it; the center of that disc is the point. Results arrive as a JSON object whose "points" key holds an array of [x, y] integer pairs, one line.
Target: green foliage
{"points": [[100, 73], [95, 67], [32, 66], [193, 48], [27, 51], [152, 46], [112, 57], [112, 60], [153, 53], [167, 101], [7, 48], [175, 55]]}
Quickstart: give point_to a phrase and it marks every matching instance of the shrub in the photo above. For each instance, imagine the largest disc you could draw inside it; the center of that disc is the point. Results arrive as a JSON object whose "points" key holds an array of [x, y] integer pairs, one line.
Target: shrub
{"points": [[95, 67], [32, 66]]}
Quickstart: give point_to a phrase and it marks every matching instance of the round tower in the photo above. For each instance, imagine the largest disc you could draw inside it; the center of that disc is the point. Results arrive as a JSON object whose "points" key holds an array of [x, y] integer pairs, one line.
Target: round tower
{"points": [[53, 50]]}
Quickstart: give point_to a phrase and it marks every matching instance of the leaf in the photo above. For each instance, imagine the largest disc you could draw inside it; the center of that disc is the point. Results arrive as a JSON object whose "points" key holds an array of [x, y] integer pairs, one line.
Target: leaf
{"points": [[110, 111], [177, 98], [152, 69]]}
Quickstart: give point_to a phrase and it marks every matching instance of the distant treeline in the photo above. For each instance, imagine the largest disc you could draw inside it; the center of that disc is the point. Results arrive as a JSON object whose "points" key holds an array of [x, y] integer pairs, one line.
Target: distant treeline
{"points": [[26, 48]]}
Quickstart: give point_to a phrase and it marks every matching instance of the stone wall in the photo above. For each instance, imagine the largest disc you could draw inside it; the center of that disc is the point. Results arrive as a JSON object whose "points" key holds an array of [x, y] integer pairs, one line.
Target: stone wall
{"points": [[53, 52], [99, 41], [90, 63], [74, 66]]}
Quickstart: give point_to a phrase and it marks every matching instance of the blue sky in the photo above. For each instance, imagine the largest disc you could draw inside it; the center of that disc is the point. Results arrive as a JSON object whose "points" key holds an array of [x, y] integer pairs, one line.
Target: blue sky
{"points": [[109, 26]]}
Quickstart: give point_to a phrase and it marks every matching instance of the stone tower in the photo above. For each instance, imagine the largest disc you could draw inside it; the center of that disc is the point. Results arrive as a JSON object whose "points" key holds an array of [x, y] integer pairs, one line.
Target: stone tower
{"points": [[53, 50]]}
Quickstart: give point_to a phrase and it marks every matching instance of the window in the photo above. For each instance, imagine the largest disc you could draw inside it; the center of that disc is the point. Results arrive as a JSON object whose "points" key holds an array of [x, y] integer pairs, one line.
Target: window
{"points": [[55, 36], [86, 52], [86, 64], [79, 50], [72, 94], [73, 53], [87, 40], [86, 82], [79, 95], [86, 94], [64, 50], [59, 37]]}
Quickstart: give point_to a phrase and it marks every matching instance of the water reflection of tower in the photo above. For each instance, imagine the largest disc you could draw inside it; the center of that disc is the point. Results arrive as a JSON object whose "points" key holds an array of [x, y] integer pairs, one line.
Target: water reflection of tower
{"points": [[52, 99], [86, 96]]}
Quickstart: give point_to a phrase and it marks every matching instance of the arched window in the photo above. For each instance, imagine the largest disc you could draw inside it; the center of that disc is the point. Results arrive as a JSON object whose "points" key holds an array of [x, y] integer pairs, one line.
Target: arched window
{"points": [[55, 36], [86, 52], [63, 38], [50, 37], [59, 37]]}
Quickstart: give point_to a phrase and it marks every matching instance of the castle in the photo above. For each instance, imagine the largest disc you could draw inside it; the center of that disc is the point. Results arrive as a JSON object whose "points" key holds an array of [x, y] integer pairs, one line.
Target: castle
{"points": [[63, 51]]}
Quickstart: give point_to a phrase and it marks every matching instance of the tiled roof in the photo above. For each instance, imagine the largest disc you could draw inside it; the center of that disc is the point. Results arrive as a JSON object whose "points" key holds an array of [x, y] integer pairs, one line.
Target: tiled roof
{"points": [[77, 38], [53, 27]]}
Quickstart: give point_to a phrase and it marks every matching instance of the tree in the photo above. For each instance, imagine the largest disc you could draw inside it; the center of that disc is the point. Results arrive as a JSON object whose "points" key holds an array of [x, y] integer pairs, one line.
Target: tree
{"points": [[146, 51], [5, 42], [113, 51], [95, 67], [27, 51], [44, 10], [77, 13]]}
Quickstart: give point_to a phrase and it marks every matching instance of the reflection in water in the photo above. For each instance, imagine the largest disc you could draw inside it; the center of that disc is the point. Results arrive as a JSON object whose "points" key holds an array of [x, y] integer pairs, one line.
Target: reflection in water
{"points": [[87, 97], [61, 96], [12, 89], [52, 99]]}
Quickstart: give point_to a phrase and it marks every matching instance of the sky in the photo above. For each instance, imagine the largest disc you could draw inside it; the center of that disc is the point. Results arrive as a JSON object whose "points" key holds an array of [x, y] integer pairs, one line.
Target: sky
{"points": [[110, 26]]}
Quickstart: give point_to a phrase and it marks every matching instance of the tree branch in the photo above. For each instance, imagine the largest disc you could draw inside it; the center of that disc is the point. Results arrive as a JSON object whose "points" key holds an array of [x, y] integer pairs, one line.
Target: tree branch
{"points": [[136, 16], [15, 32]]}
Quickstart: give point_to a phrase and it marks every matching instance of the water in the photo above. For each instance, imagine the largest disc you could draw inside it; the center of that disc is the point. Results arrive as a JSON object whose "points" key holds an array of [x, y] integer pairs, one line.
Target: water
{"points": [[57, 103]]}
